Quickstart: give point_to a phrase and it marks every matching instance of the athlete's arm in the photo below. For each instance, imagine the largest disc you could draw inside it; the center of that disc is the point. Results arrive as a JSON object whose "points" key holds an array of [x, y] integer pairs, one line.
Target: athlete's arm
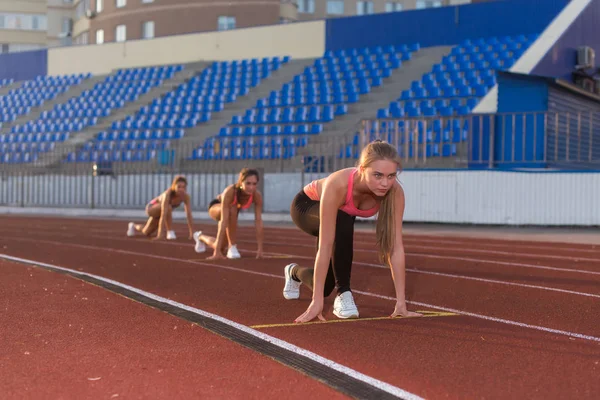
{"points": [[258, 208], [332, 197], [398, 256], [188, 213], [165, 202], [227, 199]]}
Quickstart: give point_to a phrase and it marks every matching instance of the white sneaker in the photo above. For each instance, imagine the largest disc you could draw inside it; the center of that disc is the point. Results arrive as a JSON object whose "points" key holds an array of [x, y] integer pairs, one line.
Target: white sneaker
{"points": [[344, 307], [291, 290], [233, 252], [200, 247], [131, 229], [171, 235]]}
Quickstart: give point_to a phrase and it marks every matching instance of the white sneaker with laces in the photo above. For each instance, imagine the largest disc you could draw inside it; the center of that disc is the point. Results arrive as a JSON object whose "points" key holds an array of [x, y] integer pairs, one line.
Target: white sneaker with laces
{"points": [[344, 307], [291, 290], [131, 229], [171, 235], [199, 247], [233, 252]]}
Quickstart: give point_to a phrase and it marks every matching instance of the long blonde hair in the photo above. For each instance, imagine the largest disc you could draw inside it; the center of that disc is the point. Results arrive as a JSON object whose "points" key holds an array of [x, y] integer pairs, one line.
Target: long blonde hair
{"points": [[385, 230]]}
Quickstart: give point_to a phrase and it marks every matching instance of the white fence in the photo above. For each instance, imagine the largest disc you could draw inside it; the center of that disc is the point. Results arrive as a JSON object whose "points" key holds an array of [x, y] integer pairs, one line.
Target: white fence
{"points": [[444, 196]]}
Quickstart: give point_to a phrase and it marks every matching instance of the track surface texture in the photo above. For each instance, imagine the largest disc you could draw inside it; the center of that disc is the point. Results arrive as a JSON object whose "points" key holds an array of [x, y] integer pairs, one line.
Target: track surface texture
{"points": [[507, 318]]}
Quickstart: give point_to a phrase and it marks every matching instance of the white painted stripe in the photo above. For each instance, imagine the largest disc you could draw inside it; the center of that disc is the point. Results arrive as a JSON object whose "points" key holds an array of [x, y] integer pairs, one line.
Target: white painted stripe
{"points": [[538, 49], [419, 242], [393, 390], [454, 276], [478, 260], [566, 333], [487, 318], [559, 25]]}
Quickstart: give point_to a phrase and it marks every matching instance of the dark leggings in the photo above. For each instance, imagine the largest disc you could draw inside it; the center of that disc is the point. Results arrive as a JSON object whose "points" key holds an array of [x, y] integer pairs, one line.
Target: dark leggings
{"points": [[305, 214]]}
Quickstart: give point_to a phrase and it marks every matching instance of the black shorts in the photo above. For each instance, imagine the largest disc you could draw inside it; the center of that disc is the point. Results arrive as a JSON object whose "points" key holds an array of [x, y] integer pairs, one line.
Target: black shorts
{"points": [[213, 202]]}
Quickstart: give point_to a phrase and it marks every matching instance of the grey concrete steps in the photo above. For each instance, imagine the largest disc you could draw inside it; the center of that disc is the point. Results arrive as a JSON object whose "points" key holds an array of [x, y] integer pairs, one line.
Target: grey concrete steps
{"points": [[73, 91], [285, 74]]}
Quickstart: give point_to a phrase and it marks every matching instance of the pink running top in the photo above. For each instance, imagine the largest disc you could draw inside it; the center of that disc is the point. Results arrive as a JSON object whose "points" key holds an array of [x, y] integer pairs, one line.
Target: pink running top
{"points": [[348, 207], [242, 206]]}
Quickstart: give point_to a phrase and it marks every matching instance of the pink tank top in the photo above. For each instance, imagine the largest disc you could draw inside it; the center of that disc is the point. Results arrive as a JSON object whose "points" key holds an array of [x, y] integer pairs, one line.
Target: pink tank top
{"points": [[348, 207], [242, 206]]}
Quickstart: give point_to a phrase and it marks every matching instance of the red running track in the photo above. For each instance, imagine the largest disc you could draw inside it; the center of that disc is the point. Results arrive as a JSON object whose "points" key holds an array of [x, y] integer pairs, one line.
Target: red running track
{"points": [[527, 324]]}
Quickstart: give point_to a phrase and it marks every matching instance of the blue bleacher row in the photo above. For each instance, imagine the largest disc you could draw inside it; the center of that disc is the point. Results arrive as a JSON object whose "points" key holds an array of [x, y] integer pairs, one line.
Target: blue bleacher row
{"points": [[6, 82], [34, 137], [263, 130], [18, 157], [299, 115], [112, 156], [148, 73], [36, 147], [119, 135], [243, 149], [51, 126], [428, 108], [187, 120], [50, 81]]}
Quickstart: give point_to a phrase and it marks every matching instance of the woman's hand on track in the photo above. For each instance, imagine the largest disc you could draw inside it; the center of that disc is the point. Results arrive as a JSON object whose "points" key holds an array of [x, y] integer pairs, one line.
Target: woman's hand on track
{"points": [[315, 309], [401, 311], [216, 256]]}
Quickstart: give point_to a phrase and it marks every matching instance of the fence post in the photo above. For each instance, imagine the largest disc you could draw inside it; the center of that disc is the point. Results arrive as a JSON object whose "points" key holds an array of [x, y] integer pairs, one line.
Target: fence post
{"points": [[492, 139], [22, 191], [92, 189]]}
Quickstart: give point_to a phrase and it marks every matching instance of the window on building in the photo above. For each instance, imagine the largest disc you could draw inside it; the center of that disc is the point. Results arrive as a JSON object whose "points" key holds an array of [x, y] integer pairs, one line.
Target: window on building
{"points": [[100, 36], [225, 23], [121, 33], [364, 7], [147, 1], [335, 7], [82, 38], [66, 25], [391, 6], [421, 4], [82, 7], [121, 3], [306, 6], [99, 6], [148, 30], [24, 22]]}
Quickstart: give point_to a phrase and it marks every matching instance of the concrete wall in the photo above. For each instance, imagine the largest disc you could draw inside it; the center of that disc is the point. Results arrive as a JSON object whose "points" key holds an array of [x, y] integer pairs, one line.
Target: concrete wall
{"points": [[472, 197], [302, 40]]}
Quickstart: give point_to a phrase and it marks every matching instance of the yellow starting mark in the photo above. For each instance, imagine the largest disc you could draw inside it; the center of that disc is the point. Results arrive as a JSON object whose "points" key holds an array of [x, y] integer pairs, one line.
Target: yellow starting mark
{"points": [[426, 314], [277, 256]]}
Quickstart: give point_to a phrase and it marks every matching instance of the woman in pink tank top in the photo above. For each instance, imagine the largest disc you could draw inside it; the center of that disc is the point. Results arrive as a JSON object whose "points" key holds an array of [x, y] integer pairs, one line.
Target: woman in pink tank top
{"points": [[225, 209], [369, 189]]}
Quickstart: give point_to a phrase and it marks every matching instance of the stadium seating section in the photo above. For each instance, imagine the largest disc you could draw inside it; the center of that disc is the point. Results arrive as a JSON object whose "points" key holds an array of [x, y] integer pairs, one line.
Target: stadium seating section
{"points": [[277, 125], [154, 127], [301, 107]]}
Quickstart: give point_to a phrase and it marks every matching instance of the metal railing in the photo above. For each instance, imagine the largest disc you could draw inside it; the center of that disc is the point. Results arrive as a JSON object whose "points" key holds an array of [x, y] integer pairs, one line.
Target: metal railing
{"points": [[127, 173]]}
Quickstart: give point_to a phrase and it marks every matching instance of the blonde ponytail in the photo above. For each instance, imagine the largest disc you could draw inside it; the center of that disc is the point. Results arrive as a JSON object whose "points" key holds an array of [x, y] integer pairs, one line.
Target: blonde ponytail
{"points": [[385, 230]]}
